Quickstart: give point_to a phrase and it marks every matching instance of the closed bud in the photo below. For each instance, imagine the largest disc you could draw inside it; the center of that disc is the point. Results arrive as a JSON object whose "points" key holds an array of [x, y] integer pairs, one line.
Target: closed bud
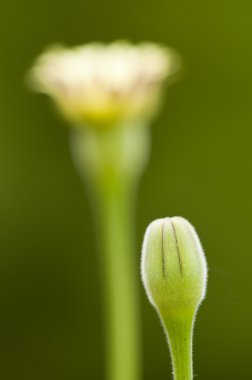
{"points": [[174, 273], [174, 268]]}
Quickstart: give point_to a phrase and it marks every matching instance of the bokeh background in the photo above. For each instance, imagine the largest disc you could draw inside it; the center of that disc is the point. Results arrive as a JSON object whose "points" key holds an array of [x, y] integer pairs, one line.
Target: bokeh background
{"points": [[50, 312]]}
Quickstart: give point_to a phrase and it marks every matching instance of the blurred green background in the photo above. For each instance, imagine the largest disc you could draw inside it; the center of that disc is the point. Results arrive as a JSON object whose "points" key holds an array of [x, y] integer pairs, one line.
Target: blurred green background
{"points": [[50, 312]]}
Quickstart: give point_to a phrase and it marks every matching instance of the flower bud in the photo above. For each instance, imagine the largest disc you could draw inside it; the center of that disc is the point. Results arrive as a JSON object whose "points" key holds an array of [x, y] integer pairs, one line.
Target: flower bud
{"points": [[174, 269]]}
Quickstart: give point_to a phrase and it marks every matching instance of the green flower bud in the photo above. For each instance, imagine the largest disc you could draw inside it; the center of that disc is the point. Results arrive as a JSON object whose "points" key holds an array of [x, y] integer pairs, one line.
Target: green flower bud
{"points": [[174, 268], [174, 273]]}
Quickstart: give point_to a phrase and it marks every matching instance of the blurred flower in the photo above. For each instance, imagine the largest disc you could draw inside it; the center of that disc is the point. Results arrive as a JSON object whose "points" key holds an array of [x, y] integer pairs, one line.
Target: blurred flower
{"points": [[102, 84]]}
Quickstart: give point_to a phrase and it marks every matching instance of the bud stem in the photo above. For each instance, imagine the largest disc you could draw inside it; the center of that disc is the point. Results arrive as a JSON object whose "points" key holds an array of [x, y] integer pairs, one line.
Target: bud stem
{"points": [[179, 333]]}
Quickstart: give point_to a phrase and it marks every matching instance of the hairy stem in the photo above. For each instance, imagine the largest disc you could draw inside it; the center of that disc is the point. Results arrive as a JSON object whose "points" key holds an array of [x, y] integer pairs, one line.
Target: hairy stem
{"points": [[179, 332]]}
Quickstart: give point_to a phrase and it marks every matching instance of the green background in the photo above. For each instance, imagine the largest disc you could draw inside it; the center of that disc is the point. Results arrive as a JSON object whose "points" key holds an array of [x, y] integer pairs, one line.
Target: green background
{"points": [[200, 168]]}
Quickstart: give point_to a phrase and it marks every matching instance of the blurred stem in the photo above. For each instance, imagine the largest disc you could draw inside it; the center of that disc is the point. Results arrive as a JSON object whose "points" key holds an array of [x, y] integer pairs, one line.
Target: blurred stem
{"points": [[179, 331], [111, 162], [119, 269]]}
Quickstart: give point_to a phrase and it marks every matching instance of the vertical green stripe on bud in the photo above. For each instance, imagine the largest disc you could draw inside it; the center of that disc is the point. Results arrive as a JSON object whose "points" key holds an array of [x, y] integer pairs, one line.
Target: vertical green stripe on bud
{"points": [[174, 273]]}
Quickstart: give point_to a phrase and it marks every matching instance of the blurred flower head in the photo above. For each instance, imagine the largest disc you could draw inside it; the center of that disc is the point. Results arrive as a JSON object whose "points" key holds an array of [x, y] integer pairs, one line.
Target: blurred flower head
{"points": [[99, 84]]}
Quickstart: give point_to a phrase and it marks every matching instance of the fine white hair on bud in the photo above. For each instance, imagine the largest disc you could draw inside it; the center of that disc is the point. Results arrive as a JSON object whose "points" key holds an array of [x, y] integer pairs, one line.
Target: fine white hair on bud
{"points": [[105, 83], [174, 273], [174, 269]]}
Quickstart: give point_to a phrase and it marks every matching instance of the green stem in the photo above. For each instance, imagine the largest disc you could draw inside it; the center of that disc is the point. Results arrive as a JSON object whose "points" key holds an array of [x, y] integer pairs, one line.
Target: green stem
{"points": [[111, 162], [119, 270], [179, 332]]}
